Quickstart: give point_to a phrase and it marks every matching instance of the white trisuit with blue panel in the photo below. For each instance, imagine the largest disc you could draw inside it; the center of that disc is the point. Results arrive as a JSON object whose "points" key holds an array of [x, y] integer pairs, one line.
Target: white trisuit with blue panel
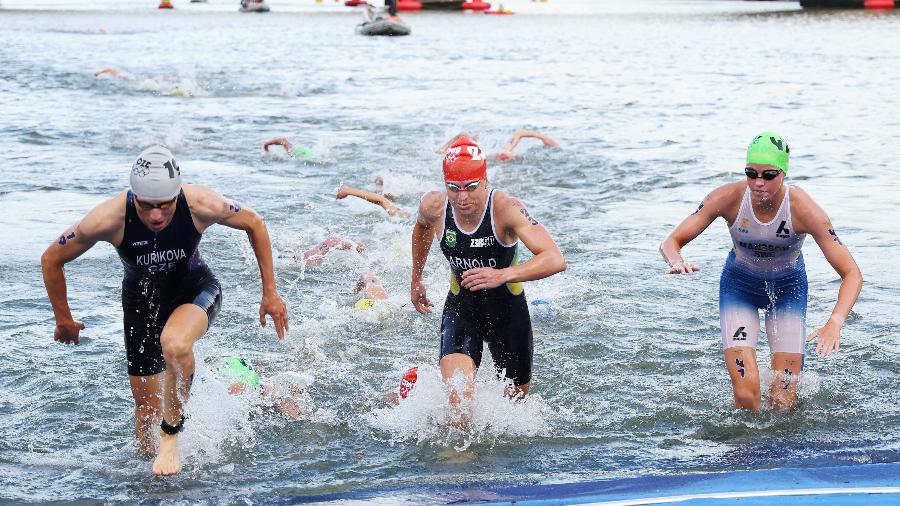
{"points": [[764, 270]]}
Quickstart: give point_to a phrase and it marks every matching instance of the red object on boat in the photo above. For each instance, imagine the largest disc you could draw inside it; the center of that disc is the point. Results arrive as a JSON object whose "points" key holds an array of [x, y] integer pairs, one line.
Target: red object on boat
{"points": [[355, 3], [409, 5], [165, 4], [408, 381], [879, 4], [476, 5]]}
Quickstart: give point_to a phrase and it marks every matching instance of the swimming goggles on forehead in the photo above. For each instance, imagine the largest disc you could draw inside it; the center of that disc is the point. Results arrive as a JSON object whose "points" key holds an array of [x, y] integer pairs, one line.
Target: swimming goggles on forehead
{"points": [[768, 175], [146, 206], [469, 187]]}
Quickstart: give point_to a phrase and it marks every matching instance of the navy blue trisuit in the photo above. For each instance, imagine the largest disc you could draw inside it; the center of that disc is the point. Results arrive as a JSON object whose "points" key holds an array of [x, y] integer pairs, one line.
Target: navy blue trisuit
{"points": [[163, 270], [498, 316]]}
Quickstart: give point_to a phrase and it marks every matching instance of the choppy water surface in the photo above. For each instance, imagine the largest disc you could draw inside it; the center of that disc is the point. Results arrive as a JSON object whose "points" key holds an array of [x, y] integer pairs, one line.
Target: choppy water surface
{"points": [[653, 104]]}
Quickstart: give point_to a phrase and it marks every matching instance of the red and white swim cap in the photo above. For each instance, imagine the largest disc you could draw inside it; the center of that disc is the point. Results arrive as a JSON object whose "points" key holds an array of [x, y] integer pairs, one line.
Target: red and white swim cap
{"points": [[409, 381], [464, 161]]}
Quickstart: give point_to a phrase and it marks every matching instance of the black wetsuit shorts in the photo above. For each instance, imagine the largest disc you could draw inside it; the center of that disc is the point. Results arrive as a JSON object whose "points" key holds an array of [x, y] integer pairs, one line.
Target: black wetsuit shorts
{"points": [[147, 309], [503, 322]]}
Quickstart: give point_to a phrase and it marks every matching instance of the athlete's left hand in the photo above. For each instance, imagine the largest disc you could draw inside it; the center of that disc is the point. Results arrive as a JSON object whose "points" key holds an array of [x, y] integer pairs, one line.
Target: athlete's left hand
{"points": [[482, 278], [829, 338], [273, 305]]}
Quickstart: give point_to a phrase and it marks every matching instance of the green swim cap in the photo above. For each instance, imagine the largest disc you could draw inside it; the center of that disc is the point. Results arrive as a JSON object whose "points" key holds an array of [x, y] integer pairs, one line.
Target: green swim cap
{"points": [[301, 151], [239, 371], [769, 148]]}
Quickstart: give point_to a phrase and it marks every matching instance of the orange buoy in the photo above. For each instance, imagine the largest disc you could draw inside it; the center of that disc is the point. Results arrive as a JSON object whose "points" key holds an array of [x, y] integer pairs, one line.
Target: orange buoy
{"points": [[879, 4], [409, 5], [476, 5], [166, 4]]}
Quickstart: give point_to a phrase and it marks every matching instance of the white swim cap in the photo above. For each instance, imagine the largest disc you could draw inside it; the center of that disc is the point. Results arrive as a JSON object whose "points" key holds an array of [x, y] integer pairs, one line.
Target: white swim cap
{"points": [[155, 174]]}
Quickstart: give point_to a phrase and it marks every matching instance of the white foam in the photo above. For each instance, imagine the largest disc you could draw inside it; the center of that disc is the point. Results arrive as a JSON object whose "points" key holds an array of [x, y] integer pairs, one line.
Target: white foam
{"points": [[425, 416]]}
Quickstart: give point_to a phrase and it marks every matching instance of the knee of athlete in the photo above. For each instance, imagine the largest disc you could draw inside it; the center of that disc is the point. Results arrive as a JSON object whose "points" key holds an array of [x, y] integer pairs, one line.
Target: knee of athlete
{"points": [[175, 348]]}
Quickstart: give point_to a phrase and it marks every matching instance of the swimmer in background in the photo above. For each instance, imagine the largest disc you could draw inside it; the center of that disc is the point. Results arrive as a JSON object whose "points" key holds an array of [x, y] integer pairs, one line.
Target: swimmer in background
{"points": [[479, 230], [315, 255], [768, 221], [369, 290], [170, 296], [506, 152], [114, 72], [296, 152], [381, 200], [147, 84], [242, 376], [407, 383]]}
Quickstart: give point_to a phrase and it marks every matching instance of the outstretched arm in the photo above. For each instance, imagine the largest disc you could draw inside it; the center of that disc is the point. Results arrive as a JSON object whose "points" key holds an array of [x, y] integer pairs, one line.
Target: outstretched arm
{"points": [[713, 206], [209, 207], [102, 223], [422, 236], [814, 221], [521, 134], [374, 198], [278, 141], [108, 70], [314, 255], [547, 260]]}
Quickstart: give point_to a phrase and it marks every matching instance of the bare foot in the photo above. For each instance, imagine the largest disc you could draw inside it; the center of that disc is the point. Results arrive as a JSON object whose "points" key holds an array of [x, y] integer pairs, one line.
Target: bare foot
{"points": [[167, 463]]}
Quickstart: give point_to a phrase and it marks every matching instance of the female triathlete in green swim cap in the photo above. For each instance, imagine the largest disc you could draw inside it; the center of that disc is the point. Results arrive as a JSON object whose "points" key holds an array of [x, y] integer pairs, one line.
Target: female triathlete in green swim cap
{"points": [[768, 221]]}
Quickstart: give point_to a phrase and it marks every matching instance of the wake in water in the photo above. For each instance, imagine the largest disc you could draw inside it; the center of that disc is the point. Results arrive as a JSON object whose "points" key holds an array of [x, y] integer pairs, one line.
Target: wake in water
{"points": [[491, 417]]}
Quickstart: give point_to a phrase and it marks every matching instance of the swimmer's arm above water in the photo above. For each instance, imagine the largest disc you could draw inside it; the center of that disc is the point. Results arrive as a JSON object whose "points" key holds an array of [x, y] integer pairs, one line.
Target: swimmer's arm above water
{"points": [[278, 141], [430, 212], [712, 207], [521, 134], [512, 217], [106, 222], [317, 252], [208, 208], [381, 200], [809, 218]]}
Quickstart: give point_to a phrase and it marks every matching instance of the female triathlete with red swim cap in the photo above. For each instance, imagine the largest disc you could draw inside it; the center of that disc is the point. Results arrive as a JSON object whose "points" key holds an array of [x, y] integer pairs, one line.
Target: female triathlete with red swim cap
{"points": [[479, 230]]}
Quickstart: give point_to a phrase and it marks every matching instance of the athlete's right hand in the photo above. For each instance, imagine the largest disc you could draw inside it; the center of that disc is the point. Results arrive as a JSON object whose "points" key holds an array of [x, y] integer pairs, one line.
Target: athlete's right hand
{"points": [[683, 268], [67, 331], [420, 299]]}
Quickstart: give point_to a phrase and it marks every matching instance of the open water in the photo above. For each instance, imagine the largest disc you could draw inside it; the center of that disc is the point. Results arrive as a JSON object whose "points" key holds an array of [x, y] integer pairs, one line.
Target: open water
{"points": [[653, 104]]}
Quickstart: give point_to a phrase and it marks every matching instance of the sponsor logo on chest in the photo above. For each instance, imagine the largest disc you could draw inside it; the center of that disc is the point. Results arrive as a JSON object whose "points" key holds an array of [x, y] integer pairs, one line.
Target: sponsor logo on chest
{"points": [[482, 242], [783, 231]]}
